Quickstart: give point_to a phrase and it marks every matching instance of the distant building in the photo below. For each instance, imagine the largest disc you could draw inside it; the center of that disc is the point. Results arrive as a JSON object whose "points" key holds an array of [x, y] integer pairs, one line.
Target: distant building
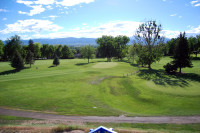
{"points": [[102, 129]]}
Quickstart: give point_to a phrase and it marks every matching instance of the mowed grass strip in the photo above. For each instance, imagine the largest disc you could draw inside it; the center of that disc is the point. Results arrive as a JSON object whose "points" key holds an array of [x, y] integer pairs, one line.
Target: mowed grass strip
{"points": [[99, 88]]}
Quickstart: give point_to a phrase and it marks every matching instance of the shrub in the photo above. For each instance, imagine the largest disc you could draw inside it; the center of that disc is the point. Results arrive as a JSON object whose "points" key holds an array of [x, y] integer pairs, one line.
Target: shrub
{"points": [[170, 68], [56, 61]]}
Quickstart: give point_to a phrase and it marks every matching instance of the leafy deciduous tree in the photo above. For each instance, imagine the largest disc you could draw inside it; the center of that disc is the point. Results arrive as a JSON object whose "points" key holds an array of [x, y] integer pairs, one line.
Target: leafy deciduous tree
{"points": [[120, 46], [58, 50], [148, 34], [67, 52], [88, 52], [106, 47]]}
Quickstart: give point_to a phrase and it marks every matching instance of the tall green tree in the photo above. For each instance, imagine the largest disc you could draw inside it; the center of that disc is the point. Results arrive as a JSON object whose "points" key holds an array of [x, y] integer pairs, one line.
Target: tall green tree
{"points": [[198, 44], [30, 58], [131, 53], [171, 46], [12, 44], [141, 52], [148, 34], [120, 46], [58, 50], [37, 49], [106, 47], [1, 49], [17, 61], [192, 42], [67, 52], [181, 56], [51, 52], [88, 52], [44, 51], [31, 47]]}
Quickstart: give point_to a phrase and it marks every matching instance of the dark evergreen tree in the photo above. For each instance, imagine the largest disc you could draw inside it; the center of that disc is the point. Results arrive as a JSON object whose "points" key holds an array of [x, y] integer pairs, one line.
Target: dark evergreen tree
{"points": [[12, 44], [44, 51], [56, 60], [182, 53], [30, 58], [1, 49], [17, 61], [31, 47]]}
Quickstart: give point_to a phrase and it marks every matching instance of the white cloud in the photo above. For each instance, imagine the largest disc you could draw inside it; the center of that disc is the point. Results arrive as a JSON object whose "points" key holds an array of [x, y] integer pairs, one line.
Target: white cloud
{"points": [[180, 16], [36, 10], [27, 3], [37, 5], [73, 2], [3, 10], [114, 28], [194, 30], [30, 25], [39, 2], [20, 12], [170, 33], [53, 17], [164, 0], [44, 2], [195, 3], [172, 15], [173, 34], [4, 19], [49, 7]]}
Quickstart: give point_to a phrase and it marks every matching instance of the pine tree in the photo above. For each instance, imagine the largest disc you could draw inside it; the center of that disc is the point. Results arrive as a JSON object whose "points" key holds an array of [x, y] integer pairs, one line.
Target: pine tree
{"points": [[30, 58], [17, 61], [182, 54], [56, 60]]}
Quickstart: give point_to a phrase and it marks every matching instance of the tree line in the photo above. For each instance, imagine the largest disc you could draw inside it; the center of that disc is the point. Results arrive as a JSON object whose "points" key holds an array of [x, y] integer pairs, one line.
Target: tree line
{"points": [[148, 47]]}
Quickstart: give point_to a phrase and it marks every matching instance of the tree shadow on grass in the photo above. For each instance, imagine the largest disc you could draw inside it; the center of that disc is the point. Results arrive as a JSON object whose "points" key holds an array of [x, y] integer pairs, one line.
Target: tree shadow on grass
{"points": [[195, 58], [82, 64], [160, 78], [12, 71], [51, 66], [129, 62]]}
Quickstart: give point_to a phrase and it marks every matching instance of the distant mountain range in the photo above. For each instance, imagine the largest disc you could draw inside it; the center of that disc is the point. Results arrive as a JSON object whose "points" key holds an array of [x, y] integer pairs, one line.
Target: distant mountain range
{"points": [[65, 41], [72, 41]]}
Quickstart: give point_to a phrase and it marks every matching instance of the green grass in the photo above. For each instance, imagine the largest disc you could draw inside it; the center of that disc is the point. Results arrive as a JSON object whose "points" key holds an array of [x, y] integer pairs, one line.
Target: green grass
{"points": [[6, 117], [99, 88]]}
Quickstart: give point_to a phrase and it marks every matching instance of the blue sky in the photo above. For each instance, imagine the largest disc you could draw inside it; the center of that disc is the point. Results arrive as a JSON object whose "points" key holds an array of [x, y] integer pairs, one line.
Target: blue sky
{"points": [[33, 19]]}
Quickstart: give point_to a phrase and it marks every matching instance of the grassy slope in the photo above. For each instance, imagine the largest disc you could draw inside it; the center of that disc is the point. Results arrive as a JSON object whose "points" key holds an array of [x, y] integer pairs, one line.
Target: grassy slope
{"points": [[99, 88]]}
